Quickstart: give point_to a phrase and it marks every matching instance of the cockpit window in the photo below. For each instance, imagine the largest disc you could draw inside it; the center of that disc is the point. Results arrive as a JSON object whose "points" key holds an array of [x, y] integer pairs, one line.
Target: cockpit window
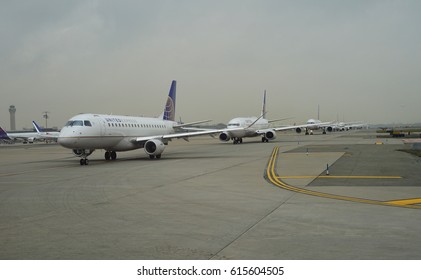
{"points": [[87, 123], [233, 124], [74, 123]]}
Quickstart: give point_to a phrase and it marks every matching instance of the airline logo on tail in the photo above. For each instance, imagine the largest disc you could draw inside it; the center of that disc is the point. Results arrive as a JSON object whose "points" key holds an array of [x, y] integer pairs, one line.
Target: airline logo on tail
{"points": [[37, 127], [3, 134], [169, 113]]}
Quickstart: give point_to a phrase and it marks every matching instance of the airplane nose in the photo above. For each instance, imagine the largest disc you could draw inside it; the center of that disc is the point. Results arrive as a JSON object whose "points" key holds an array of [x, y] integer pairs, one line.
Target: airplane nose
{"points": [[66, 141]]}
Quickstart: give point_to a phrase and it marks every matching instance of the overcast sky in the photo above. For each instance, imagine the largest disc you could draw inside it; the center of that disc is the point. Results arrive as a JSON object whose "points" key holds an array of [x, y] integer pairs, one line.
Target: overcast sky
{"points": [[360, 60]]}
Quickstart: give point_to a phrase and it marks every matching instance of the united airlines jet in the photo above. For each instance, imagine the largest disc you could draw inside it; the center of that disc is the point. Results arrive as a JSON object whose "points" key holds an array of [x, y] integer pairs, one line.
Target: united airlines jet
{"points": [[85, 133]]}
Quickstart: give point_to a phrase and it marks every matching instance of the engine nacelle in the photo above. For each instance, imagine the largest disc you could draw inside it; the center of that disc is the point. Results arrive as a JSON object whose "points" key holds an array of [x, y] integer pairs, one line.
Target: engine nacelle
{"points": [[224, 137], [298, 130], [329, 128], [82, 152], [31, 140], [270, 135], [154, 147]]}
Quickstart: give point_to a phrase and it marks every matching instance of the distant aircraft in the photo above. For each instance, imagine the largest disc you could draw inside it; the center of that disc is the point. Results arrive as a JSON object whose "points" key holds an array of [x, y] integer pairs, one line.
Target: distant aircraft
{"points": [[25, 137], [46, 135], [241, 127], [85, 133], [316, 124], [342, 126]]}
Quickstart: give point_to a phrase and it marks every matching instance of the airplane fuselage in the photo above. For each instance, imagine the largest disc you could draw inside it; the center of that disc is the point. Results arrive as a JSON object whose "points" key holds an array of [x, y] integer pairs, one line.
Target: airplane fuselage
{"points": [[22, 136], [110, 132], [314, 124], [247, 131]]}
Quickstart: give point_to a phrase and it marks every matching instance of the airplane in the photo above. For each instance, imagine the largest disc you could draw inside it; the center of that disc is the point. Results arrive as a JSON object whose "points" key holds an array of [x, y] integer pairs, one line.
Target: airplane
{"points": [[85, 133], [241, 127], [342, 126], [315, 124], [46, 135], [25, 137]]}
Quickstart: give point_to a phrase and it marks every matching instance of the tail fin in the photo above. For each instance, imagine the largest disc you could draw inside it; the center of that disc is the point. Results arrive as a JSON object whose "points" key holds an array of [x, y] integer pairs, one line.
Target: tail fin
{"points": [[3, 135], [169, 111], [264, 106], [37, 127]]}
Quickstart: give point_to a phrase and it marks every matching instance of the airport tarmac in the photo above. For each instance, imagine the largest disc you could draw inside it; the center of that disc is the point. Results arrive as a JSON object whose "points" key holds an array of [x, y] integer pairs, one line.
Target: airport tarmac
{"points": [[211, 200]]}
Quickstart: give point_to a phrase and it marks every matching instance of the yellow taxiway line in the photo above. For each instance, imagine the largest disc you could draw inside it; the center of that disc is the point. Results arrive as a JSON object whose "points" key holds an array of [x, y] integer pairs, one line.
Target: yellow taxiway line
{"points": [[272, 176], [405, 201], [340, 177]]}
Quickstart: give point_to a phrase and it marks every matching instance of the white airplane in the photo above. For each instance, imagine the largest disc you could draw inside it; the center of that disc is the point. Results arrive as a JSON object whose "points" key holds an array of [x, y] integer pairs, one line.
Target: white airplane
{"points": [[85, 133], [25, 137], [331, 126], [342, 126], [241, 127], [46, 135], [314, 124]]}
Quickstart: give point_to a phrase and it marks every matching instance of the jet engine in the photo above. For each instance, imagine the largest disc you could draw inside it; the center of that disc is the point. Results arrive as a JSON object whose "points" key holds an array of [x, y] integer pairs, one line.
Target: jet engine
{"points": [[82, 152], [298, 130], [329, 128], [154, 147], [270, 135], [224, 136]]}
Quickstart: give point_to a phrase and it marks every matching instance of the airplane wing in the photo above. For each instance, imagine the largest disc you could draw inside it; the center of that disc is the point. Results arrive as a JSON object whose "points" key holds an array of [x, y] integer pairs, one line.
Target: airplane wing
{"points": [[182, 135], [278, 120], [282, 128], [191, 123]]}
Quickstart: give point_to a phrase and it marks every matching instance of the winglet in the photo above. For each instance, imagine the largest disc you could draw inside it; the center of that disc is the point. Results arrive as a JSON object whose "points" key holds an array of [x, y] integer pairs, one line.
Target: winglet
{"points": [[169, 111]]}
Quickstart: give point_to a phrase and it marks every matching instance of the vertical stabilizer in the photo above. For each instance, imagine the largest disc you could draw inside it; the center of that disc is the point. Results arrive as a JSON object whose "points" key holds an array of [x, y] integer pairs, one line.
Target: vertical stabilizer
{"points": [[169, 111], [318, 111], [37, 127], [264, 106], [3, 134]]}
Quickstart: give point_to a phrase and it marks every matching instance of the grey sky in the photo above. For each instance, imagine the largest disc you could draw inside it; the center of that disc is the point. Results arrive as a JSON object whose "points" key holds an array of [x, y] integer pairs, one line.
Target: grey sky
{"points": [[360, 60]]}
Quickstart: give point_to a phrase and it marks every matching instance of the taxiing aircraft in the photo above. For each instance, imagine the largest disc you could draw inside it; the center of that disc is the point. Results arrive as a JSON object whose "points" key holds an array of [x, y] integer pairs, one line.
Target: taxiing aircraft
{"points": [[331, 126], [25, 137], [314, 124], [241, 127], [85, 133]]}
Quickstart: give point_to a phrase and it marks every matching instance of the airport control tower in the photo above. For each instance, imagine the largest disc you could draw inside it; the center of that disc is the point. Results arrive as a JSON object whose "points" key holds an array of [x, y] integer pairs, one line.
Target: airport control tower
{"points": [[12, 111]]}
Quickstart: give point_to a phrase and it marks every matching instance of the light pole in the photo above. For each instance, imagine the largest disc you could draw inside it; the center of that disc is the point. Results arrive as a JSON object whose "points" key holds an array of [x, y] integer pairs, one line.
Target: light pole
{"points": [[45, 116]]}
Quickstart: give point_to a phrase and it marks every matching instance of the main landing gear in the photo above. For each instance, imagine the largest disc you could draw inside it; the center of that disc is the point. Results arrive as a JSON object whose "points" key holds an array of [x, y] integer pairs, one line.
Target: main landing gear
{"points": [[237, 140], [84, 161], [264, 139], [152, 156], [110, 155]]}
